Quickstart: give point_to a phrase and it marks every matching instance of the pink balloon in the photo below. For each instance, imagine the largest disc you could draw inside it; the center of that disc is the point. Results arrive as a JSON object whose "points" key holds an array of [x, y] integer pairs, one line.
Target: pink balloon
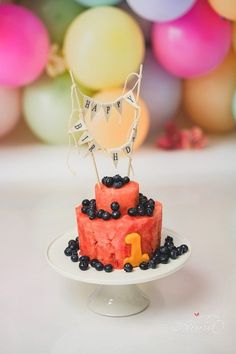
{"points": [[194, 44], [10, 109], [24, 45]]}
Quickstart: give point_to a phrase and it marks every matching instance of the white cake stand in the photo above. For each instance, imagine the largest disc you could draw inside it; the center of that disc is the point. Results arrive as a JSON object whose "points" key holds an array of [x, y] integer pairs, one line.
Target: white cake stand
{"points": [[117, 294]]}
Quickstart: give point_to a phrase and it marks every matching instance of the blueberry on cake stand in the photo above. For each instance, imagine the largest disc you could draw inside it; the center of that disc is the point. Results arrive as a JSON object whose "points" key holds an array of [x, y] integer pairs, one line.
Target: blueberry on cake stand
{"points": [[117, 293]]}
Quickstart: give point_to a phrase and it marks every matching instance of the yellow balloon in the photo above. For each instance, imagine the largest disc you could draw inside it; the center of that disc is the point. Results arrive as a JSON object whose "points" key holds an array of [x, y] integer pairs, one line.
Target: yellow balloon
{"points": [[114, 132], [226, 8], [208, 100], [102, 46]]}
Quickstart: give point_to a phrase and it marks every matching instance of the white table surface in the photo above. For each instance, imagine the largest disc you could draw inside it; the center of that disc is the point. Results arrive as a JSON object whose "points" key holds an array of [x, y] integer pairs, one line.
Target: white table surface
{"points": [[42, 312]]}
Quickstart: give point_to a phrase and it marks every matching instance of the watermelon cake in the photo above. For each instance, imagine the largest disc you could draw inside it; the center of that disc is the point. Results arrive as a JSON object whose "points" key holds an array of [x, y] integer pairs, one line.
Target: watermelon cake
{"points": [[120, 228]]}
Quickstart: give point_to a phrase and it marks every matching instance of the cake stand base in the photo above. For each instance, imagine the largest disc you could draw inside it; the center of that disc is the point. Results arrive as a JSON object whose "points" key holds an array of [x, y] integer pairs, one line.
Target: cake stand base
{"points": [[117, 294], [118, 300]]}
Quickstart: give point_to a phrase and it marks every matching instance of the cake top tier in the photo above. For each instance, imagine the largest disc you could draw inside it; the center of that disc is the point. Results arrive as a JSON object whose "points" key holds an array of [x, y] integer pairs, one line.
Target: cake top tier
{"points": [[117, 189]]}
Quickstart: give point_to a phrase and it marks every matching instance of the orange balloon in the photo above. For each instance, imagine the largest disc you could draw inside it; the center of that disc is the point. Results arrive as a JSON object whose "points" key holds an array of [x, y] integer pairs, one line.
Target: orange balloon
{"points": [[115, 132], [208, 100], [234, 37], [225, 8]]}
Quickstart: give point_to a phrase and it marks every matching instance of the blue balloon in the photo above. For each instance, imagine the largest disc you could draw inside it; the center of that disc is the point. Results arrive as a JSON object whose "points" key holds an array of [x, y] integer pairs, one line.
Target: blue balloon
{"points": [[161, 91], [161, 10]]}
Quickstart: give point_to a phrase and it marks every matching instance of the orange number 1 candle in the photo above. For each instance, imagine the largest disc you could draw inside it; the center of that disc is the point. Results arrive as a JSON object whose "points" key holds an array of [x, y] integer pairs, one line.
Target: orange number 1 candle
{"points": [[136, 256]]}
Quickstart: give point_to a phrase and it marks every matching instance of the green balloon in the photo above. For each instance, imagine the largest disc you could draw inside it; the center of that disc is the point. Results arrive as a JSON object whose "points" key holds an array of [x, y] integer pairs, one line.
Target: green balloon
{"points": [[47, 108], [234, 106], [56, 14]]}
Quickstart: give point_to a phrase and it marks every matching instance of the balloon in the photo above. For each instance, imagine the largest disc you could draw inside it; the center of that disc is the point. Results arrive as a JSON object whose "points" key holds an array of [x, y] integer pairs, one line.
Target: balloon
{"points": [[98, 2], [56, 14], [102, 46], [47, 107], [10, 109], [159, 10], [114, 133], [208, 100], [234, 105], [226, 8], [161, 91], [194, 44], [234, 36], [24, 45]]}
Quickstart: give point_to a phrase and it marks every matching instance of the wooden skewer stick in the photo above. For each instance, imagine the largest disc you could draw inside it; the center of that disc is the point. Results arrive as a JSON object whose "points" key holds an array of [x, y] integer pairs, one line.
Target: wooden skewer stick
{"points": [[92, 154], [137, 99]]}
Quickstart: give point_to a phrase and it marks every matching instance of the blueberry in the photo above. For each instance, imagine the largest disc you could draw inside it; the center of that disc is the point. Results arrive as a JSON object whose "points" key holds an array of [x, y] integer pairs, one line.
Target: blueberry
{"points": [[164, 258], [143, 265], [85, 202], [169, 238], [140, 195], [170, 245], [117, 178], [141, 210], [77, 239], [149, 212], [108, 268], [149, 206], [132, 211], [174, 253], [83, 265], [163, 250], [118, 184], [128, 267], [180, 251], [104, 180], [74, 257], [74, 252], [84, 259], [68, 251], [109, 181], [116, 214], [143, 200], [151, 202], [99, 266], [115, 206], [91, 214], [93, 262], [84, 209], [184, 248], [106, 215], [152, 264], [73, 244], [126, 179], [92, 202], [100, 213]]}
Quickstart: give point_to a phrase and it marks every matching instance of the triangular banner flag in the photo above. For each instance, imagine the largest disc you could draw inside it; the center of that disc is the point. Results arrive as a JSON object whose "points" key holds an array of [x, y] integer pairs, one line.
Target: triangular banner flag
{"points": [[115, 157], [78, 126], [127, 149], [86, 103], [107, 110], [134, 132], [92, 147], [94, 108], [118, 105], [129, 97], [85, 138]]}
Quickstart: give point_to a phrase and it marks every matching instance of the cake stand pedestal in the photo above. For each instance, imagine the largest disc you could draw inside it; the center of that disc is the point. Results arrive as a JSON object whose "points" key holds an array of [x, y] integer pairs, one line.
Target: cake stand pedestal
{"points": [[117, 294]]}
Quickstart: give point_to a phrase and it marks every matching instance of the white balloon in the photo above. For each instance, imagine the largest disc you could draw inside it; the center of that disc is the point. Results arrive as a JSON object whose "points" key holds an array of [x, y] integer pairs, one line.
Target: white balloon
{"points": [[161, 10], [161, 91]]}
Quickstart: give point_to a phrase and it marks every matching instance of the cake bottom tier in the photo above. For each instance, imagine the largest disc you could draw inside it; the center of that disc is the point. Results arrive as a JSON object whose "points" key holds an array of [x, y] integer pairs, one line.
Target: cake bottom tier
{"points": [[105, 240]]}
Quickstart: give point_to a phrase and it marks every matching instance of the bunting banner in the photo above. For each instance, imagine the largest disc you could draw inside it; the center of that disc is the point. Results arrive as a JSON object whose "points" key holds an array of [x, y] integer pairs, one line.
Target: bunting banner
{"points": [[85, 107]]}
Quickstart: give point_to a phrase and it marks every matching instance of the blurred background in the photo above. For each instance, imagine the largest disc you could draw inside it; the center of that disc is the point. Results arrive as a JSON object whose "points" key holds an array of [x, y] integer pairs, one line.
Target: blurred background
{"points": [[186, 153], [187, 48]]}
